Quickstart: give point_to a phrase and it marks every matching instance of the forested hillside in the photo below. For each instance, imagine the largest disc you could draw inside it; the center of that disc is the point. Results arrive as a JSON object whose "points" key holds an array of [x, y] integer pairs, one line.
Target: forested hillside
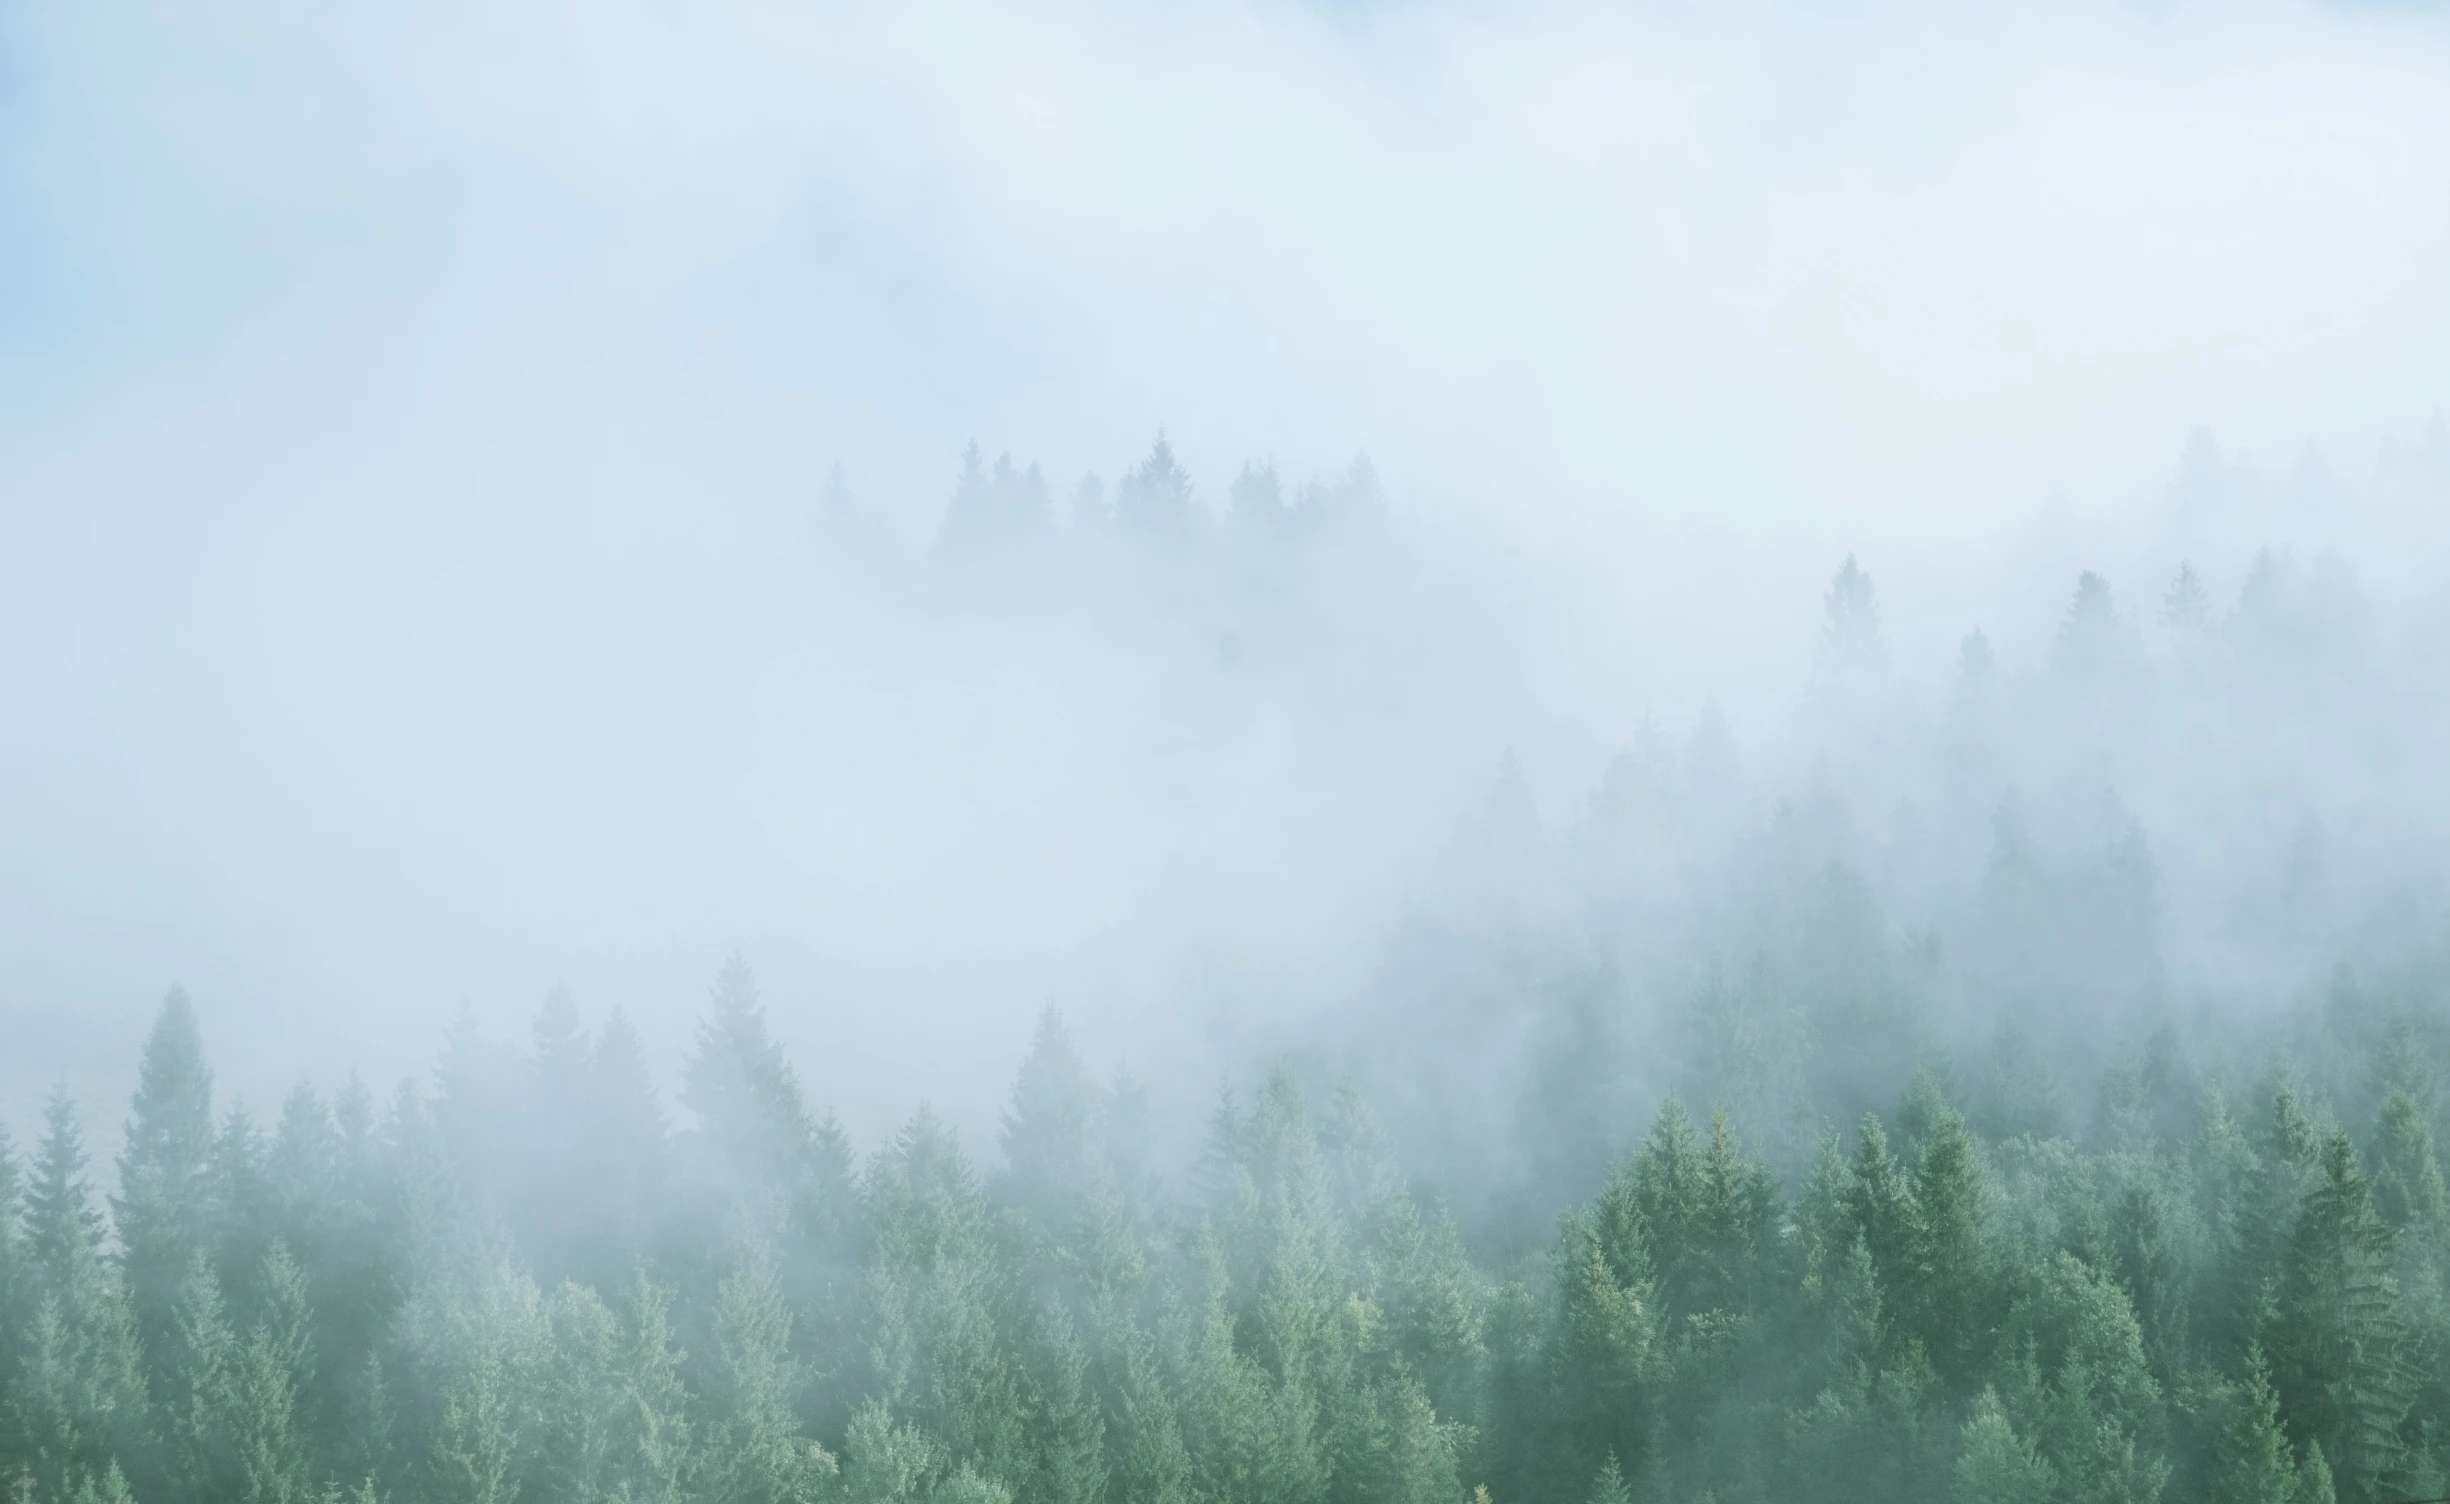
{"points": [[525, 1282], [2024, 1091]]}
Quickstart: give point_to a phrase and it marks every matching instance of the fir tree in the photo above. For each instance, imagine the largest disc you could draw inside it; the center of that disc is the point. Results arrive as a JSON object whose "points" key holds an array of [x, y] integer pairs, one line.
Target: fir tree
{"points": [[2341, 1342], [75, 1405], [2253, 1464], [1850, 640], [2407, 1179], [166, 1179], [1048, 1134], [1997, 1466], [755, 1454]]}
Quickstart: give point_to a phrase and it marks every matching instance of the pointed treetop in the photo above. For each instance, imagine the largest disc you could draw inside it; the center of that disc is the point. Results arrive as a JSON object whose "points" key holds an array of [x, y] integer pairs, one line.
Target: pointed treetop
{"points": [[1155, 495], [172, 1118], [2186, 606], [1850, 640], [1610, 1487], [560, 1040], [63, 1229], [1048, 1132], [2089, 635]]}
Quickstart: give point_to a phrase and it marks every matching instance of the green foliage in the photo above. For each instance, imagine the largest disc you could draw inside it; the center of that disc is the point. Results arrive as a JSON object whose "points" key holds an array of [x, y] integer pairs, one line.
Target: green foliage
{"points": [[2192, 1308]]}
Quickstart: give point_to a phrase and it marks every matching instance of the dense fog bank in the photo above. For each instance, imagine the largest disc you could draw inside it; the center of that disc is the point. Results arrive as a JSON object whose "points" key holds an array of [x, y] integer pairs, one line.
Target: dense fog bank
{"points": [[1238, 766]]}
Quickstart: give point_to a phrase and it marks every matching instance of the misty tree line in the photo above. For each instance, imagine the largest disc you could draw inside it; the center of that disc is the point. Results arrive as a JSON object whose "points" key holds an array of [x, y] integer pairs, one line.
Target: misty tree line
{"points": [[1984, 1195], [2178, 811], [999, 508], [524, 1283]]}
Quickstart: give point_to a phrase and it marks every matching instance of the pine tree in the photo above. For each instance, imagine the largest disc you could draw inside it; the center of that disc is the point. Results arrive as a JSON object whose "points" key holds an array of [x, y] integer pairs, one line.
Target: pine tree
{"points": [[2341, 1343], [1606, 1360], [1850, 641], [2089, 638], [273, 1367], [110, 1487], [165, 1205], [763, 1160], [1945, 1300], [2265, 1209], [2407, 1179], [2251, 1451], [577, 1401], [755, 1454], [2091, 1396], [478, 1337], [624, 1156], [198, 1391], [883, 1463], [2149, 1265], [1151, 1461], [1049, 1132], [1068, 1431], [63, 1231], [1997, 1466], [654, 1457], [2314, 1483], [247, 1212], [1663, 1197], [753, 1123], [1880, 1206], [1154, 497], [12, 1252], [2186, 607], [75, 1405], [302, 1175]]}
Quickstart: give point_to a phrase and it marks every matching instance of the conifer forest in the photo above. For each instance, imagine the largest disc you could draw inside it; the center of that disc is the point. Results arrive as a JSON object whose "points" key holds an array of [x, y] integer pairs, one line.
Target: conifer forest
{"points": [[1224, 752], [1831, 1173]]}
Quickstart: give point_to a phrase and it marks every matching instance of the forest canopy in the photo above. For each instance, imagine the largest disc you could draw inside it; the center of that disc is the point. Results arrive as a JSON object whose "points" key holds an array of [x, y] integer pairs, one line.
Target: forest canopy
{"points": [[523, 1282]]}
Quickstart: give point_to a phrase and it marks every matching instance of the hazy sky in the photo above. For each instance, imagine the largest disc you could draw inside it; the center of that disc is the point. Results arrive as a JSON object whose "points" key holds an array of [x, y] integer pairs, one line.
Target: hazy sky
{"points": [[407, 414]]}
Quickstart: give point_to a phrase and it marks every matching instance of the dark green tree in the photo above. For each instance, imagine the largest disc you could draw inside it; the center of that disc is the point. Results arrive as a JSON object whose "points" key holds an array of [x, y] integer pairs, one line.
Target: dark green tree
{"points": [[2340, 1341]]}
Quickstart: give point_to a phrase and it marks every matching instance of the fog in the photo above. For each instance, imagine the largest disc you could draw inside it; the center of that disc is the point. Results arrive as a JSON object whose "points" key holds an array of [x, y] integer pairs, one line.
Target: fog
{"points": [[414, 432], [1537, 560]]}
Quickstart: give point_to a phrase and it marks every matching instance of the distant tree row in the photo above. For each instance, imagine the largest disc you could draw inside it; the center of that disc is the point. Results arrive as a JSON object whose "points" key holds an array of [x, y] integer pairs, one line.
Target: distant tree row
{"points": [[999, 508]]}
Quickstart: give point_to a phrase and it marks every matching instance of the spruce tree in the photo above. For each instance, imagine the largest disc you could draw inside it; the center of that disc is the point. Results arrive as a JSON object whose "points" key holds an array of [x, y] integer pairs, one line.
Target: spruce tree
{"points": [[1946, 1301], [1997, 1466], [2341, 1340], [12, 1250], [1048, 1134], [1880, 1206], [274, 1368], [165, 1206], [1850, 641], [75, 1406], [2407, 1178], [198, 1393], [2251, 1459], [1067, 1463], [756, 1136], [755, 1454]]}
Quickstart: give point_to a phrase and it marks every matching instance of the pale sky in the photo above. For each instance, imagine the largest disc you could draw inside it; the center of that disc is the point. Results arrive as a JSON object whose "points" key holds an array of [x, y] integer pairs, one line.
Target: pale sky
{"points": [[402, 408]]}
